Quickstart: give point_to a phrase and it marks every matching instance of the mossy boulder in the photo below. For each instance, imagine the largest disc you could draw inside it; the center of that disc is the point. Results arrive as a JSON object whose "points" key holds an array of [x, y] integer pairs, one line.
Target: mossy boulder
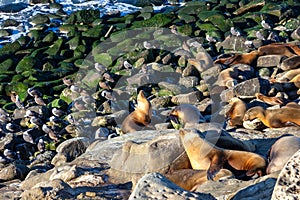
{"points": [[27, 64], [104, 59], [6, 65], [9, 49], [55, 48], [158, 20]]}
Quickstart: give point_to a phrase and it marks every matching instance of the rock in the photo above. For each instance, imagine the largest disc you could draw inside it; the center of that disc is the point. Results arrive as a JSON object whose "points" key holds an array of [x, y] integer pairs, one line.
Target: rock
{"points": [[175, 88], [234, 43], [142, 3], [296, 34], [269, 60], [156, 186], [189, 82], [70, 149], [39, 19], [83, 16], [158, 20], [161, 154], [13, 8], [13, 171], [190, 98], [231, 188], [246, 89], [56, 189], [287, 185]]}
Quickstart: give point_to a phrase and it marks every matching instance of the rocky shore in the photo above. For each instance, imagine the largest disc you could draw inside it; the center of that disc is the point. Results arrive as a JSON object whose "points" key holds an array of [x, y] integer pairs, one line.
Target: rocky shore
{"points": [[68, 84]]}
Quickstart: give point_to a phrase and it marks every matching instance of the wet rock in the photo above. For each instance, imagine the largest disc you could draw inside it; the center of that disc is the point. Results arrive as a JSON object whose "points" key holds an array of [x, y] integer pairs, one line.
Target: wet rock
{"points": [[39, 19], [287, 185], [175, 88], [156, 186], [13, 8], [269, 60], [158, 20]]}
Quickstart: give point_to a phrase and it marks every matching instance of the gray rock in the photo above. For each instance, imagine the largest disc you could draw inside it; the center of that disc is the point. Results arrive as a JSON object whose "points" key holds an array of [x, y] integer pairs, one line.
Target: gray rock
{"points": [[56, 189], [156, 186], [70, 149], [246, 89], [175, 88], [287, 185], [234, 43], [260, 188], [158, 155], [296, 34], [189, 82], [13, 171], [190, 98], [269, 60]]}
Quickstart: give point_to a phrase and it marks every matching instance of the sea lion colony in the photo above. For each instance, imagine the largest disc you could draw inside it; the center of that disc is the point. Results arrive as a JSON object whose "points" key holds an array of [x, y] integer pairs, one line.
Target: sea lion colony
{"points": [[207, 159]]}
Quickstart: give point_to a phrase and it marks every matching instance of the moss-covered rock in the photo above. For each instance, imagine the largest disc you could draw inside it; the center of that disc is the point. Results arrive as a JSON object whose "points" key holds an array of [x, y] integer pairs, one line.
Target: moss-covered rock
{"points": [[27, 64], [158, 20], [40, 19], [55, 48]]}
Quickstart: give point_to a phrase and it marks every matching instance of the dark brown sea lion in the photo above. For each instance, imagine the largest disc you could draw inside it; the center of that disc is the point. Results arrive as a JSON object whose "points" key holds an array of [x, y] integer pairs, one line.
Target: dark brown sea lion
{"points": [[140, 117], [274, 118], [205, 156]]}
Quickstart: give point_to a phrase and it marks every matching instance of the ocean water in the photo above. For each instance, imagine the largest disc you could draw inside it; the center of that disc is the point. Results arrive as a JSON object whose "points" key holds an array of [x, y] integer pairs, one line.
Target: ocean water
{"points": [[69, 6]]}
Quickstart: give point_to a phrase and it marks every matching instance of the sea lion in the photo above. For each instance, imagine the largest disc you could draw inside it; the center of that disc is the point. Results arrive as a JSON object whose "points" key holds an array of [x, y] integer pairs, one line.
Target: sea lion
{"points": [[190, 179], [290, 63], [274, 118], [288, 50], [140, 117], [205, 156], [292, 105], [281, 151], [236, 112], [186, 113], [228, 77], [245, 58], [269, 100]]}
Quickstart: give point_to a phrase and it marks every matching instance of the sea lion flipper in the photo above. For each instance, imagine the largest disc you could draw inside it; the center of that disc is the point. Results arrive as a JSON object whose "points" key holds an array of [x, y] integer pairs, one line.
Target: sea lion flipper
{"points": [[212, 171]]}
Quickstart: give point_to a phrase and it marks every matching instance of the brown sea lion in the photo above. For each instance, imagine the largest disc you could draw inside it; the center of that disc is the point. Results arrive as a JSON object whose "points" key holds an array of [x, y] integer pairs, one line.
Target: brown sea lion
{"points": [[290, 63], [288, 50], [274, 118], [236, 112], [205, 156], [281, 151], [269, 100], [228, 77], [186, 113], [140, 117], [292, 105], [245, 58], [190, 179]]}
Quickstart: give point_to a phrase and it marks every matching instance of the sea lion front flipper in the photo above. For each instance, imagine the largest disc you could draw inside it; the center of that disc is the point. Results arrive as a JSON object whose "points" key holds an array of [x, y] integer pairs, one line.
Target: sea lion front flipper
{"points": [[215, 166], [291, 124]]}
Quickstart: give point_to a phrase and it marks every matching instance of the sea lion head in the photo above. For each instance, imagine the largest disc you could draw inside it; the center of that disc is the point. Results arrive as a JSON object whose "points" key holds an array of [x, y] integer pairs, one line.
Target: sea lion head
{"points": [[252, 113]]}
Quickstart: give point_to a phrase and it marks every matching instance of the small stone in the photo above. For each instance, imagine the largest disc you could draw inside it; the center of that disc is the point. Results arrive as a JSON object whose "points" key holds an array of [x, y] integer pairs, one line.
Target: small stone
{"points": [[190, 98]]}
